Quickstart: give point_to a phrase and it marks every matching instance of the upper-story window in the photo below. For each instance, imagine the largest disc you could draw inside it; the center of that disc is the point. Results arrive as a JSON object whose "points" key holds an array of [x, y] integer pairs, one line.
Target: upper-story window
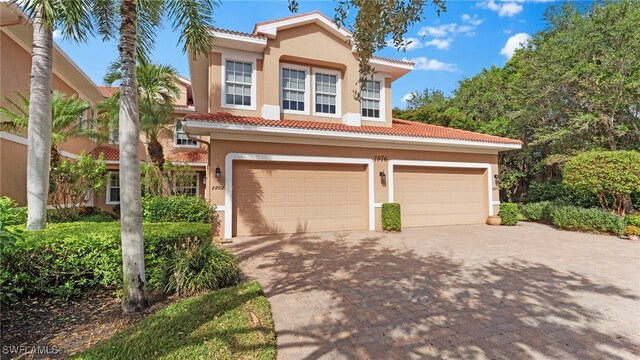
{"points": [[371, 100], [326, 92], [113, 134], [180, 137], [238, 83], [294, 89]]}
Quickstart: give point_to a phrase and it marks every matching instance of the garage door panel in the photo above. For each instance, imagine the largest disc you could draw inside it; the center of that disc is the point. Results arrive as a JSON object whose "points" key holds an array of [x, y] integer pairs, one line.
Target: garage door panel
{"points": [[440, 196], [294, 197]]}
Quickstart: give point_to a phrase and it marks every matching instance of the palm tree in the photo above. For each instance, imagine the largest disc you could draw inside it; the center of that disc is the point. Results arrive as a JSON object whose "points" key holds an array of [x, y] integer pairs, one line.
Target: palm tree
{"points": [[138, 19], [157, 92], [65, 113], [73, 20]]}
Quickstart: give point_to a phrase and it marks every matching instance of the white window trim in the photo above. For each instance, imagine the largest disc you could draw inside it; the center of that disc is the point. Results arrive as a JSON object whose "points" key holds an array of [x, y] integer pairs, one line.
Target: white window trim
{"points": [[197, 184], [307, 77], [383, 113], [107, 200], [175, 137], [338, 75], [228, 179], [240, 57], [111, 128], [447, 164]]}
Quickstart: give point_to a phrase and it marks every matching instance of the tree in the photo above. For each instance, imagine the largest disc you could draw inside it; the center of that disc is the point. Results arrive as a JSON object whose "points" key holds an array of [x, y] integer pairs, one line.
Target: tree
{"points": [[610, 175], [157, 92], [73, 20], [138, 20], [66, 111]]}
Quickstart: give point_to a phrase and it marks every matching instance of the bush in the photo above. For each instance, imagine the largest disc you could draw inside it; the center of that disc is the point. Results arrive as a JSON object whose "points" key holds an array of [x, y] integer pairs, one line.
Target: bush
{"points": [[197, 266], [559, 195], [391, 217], [10, 213], [509, 214], [633, 220], [631, 230], [182, 208], [607, 174], [593, 220], [66, 258], [85, 214], [535, 211]]}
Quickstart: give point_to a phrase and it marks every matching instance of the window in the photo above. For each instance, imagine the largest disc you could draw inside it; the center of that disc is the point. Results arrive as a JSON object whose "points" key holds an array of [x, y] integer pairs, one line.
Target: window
{"points": [[293, 89], [326, 93], [371, 99], [113, 134], [180, 136], [238, 83], [113, 188], [189, 187]]}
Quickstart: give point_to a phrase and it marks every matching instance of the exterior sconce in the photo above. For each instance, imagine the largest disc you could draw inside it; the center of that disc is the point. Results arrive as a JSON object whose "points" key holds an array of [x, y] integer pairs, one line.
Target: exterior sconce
{"points": [[218, 172], [383, 177], [497, 179]]}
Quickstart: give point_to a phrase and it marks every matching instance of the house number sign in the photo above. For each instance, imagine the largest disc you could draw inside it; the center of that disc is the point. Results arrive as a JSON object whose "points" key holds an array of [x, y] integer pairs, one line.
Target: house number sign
{"points": [[380, 158], [217, 187]]}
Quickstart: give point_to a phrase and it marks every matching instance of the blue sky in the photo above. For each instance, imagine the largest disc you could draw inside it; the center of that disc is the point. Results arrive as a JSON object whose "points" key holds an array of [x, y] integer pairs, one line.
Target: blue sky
{"points": [[460, 42]]}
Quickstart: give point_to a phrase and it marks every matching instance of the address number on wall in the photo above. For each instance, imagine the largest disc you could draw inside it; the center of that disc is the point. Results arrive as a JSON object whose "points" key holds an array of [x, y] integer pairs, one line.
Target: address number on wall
{"points": [[217, 187], [380, 158]]}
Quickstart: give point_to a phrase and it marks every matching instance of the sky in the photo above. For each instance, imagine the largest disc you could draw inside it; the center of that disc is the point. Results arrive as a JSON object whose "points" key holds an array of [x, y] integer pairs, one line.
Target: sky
{"points": [[459, 43]]}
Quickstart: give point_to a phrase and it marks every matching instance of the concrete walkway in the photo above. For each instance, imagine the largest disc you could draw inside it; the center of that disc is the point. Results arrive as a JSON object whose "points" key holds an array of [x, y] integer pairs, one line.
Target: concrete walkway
{"points": [[472, 292]]}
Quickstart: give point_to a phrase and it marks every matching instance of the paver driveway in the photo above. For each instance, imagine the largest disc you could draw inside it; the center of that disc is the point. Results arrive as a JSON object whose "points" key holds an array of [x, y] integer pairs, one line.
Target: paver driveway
{"points": [[460, 292]]}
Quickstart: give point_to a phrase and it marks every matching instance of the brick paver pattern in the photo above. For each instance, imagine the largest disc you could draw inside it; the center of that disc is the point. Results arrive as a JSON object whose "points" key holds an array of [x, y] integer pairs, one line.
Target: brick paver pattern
{"points": [[472, 292]]}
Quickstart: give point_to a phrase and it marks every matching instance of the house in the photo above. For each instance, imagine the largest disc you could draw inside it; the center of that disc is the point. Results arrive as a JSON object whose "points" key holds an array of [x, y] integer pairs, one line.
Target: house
{"points": [[15, 67], [291, 150]]}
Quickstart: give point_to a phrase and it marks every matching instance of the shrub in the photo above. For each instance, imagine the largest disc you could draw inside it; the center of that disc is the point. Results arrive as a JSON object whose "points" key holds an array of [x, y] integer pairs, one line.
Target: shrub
{"points": [[607, 174], [10, 213], [197, 266], [63, 259], [509, 214], [85, 214], [176, 208], [535, 211], [631, 230], [593, 220], [559, 195], [391, 217], [633, 219]]}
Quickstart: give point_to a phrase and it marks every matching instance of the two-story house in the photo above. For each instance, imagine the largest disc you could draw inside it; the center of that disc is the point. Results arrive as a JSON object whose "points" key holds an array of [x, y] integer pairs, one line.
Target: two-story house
{"points": [[292, 150]]}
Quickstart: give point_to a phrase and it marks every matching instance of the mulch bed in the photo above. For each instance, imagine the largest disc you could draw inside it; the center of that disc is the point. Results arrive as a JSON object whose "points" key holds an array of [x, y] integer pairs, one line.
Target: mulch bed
{"points": [[66, 327]]}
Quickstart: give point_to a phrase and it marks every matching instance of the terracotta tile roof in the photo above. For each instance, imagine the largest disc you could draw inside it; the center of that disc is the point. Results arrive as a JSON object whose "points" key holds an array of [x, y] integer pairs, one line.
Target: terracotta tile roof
{"points": [[239, 33], [107, 90], [398, 128], [395, 61], [111, 152], [195, 156]]}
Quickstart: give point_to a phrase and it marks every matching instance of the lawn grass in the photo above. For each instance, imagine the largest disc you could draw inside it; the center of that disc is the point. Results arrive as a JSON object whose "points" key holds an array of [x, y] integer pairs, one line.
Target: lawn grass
{"points": [[232, 323]]}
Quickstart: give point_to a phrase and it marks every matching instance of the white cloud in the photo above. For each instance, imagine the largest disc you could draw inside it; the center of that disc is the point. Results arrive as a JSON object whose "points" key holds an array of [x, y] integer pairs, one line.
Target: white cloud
{"points": [[438, 31], [408, 97], [422, 63], [441, 44], [515, 42], [57, 34], [472, 20], [408, 44], [508, 8]]}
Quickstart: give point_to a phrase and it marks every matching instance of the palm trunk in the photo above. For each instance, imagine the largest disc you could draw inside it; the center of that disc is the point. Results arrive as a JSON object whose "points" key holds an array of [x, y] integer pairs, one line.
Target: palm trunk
{"points": [[39, 127], [135, 294]]}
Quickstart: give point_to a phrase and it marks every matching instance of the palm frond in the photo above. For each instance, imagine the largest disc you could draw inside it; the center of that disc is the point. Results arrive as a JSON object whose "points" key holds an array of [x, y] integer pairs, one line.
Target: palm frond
{"points": [[105, 14], [193, 18], [16, 115], [149, 18], [73, 19]]}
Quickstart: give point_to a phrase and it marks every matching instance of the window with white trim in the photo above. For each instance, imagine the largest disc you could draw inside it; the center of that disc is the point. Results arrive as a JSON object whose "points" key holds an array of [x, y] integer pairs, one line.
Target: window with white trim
{"points": [[114, 136], [293, 89], [180, 136], [326, 93], [371, 99], [238, 82], [113, 188], [189, 187]]}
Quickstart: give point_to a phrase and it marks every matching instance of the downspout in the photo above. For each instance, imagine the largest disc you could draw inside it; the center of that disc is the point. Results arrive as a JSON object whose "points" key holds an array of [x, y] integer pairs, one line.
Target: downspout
{"points": [[206, 168]]}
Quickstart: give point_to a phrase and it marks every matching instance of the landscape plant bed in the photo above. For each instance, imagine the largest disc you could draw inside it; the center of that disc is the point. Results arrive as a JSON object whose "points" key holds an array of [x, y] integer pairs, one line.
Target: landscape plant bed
{"points": [[230, 323]]}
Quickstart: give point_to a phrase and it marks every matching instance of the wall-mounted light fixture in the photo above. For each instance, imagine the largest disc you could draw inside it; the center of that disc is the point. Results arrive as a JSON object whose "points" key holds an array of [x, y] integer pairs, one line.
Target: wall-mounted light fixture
{"points": [[383, 177], [497, 179], [218, 172]]}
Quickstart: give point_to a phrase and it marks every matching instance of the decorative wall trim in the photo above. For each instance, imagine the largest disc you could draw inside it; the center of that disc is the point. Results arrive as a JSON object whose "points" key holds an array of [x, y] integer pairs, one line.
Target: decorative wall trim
{"points": [[23, 141]]}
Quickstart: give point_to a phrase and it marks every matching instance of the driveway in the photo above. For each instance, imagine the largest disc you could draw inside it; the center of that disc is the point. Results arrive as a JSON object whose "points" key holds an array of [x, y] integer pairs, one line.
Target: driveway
{"points": [[473, 292]]}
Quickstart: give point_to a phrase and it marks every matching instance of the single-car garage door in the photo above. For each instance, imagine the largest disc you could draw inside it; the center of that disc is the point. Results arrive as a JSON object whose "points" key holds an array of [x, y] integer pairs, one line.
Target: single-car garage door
{"points": [[431, 196], [281, 198]]}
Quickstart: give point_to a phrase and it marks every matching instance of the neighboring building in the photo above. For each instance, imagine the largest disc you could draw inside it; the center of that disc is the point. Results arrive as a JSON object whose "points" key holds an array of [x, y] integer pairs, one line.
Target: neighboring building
{"points": [[291, 150]]}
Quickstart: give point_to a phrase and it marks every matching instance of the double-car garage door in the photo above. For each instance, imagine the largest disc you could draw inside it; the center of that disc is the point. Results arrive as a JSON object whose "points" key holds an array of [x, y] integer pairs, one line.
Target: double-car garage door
{"points": [[282, 197]]}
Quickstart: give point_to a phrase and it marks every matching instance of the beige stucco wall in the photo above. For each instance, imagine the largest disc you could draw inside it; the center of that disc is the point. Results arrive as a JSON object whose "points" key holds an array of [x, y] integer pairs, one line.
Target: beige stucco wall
{"points": [[220, 148]]}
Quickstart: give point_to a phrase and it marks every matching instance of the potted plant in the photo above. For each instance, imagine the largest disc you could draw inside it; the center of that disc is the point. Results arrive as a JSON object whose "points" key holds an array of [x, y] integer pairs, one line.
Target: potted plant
{"points": [[632, 232], [494, 220]]}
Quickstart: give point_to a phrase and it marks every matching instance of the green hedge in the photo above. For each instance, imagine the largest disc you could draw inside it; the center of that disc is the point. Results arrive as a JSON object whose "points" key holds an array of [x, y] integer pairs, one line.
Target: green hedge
{"points": [[391, 217], [65, 258], [633, 220], [535, 211], [593, 220], [10, 213], [156, 209], [509, 214]]}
